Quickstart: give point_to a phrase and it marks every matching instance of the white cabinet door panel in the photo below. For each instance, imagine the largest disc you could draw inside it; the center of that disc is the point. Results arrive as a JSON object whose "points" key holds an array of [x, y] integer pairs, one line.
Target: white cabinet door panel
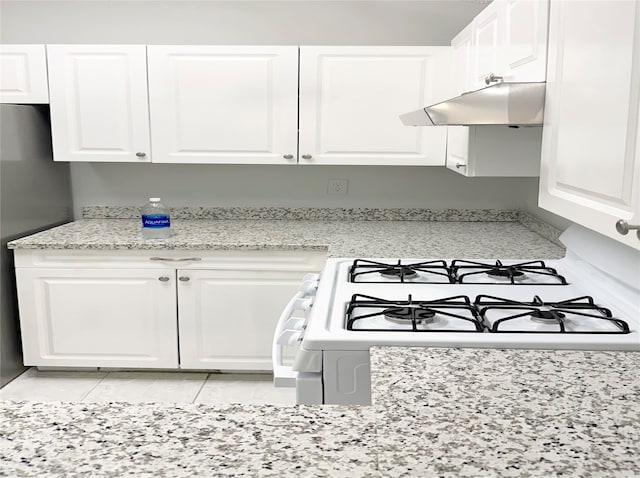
{"points": [[488, 41], [98, 318], [525, 49], [351, 97], [590, 163], [228, 318], [462, 59], [223, 104], [99, 104], [23, 74]]}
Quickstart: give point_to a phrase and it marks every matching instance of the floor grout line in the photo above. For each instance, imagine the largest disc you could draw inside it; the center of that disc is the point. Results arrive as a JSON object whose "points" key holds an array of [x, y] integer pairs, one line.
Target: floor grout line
{"points": [[201, 387], [94, 387]]}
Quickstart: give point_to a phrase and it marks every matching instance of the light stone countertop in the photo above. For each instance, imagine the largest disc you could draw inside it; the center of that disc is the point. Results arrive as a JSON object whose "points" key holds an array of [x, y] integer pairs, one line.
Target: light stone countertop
{"points": [[345, 238], [455, 413], [506, 413]]}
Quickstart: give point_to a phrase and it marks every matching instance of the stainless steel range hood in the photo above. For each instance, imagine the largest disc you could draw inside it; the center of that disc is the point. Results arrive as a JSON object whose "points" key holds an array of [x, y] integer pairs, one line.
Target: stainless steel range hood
{"points": [[517, 104]]}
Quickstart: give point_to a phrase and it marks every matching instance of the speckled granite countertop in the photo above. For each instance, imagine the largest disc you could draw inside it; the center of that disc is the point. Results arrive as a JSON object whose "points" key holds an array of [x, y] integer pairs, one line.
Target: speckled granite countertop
{"points": [[436, 413], [346, 235], [502, 413]]}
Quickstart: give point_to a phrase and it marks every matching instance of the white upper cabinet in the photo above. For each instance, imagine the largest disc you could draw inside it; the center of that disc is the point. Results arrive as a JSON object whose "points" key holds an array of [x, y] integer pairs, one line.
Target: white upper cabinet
{"points": [[509, 41], [350, 99], [590, 170], [495, 151], [488, 43], [462, 61], [99, 104], [524, 55], [23, 74], [224, 104]]}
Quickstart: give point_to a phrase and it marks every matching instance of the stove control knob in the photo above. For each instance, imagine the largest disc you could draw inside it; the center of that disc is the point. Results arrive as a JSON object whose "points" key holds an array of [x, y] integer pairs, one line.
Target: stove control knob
{"points": [[623, 227]]}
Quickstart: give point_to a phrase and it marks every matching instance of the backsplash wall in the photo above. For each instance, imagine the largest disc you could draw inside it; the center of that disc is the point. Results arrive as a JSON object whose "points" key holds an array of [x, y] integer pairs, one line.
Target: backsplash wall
{"points": [[293, 186]]}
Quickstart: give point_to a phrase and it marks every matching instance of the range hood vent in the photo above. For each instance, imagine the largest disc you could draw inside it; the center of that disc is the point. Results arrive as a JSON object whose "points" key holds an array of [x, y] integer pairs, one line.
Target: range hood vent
{"points": [[514, 104]]}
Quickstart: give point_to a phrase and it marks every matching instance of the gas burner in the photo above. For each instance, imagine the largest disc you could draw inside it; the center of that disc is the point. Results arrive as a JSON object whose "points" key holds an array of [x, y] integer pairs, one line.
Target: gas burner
{"points": [[401, 315], [572, 316], [546, 316], [533, 272], [399, 272], [507, 274], [450, 314], [429, 272]]}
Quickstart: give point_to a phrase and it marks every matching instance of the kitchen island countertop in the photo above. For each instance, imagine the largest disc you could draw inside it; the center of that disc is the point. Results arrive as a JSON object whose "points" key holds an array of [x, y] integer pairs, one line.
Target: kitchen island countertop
{"points": [[500, 413], [436, 412]]}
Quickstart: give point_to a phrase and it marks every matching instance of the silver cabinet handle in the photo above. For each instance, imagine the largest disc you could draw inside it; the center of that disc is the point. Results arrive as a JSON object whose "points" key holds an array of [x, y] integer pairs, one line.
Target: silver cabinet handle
{"points": [[183, 278], [460, 165], [141, 155], [623, 227], [163, 279], [288, 156], [492, 79], [306, 156], [175, 259]]}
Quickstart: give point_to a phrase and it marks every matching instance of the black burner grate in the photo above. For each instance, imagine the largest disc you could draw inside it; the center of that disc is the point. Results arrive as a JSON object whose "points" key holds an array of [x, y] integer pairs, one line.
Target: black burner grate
{"points": [[553, 313], [429, 272], [414, 313], [469, 272]]}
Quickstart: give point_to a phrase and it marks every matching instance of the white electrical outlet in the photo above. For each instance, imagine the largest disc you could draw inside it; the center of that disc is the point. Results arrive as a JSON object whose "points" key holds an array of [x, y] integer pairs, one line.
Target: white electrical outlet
{"points": [[338, 186]]}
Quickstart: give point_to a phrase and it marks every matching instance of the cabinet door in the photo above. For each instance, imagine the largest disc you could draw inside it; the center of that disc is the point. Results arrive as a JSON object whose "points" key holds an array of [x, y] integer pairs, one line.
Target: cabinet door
{"points": [[98, 318], [462, 59], [350, 99], [458, 148], [488, 41], [23, 74], [224, 104], [99, 105], [228, 317], [524, 54], [590, 166]]}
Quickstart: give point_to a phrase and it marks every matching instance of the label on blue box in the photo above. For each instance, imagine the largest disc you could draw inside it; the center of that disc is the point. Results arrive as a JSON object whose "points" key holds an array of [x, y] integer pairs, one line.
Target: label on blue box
{"points": [[155, 221]]}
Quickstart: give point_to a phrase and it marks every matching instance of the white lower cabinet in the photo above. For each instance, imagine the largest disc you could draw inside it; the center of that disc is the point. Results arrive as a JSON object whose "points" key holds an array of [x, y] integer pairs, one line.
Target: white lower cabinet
{"points": [[136, 309], [98, 317], [225, 316]]}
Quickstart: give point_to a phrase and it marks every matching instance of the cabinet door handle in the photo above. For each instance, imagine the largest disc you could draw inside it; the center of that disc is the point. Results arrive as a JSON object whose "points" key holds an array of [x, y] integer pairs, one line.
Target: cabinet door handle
{"points": [[288, 156], [141, 155], [492, 79], [175, 259], [623, 227], [306, 156], [183, 278], [163, 279], [460, 165]]}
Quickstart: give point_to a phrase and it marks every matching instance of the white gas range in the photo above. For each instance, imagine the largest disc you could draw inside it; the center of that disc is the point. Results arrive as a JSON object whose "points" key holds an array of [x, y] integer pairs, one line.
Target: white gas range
{"points": [[589, 300]]}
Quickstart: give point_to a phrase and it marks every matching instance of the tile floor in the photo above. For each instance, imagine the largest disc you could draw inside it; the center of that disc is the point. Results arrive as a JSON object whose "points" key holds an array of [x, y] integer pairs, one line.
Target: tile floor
{"points": [[136, 387]]}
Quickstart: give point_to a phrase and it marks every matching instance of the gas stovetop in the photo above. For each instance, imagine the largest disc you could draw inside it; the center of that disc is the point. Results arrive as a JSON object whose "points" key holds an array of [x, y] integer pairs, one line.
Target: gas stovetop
{"points": [[555, 304]]}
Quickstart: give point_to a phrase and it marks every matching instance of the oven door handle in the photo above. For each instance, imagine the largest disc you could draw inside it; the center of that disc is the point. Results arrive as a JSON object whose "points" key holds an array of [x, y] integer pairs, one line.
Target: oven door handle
{"points": [[284, 376]]}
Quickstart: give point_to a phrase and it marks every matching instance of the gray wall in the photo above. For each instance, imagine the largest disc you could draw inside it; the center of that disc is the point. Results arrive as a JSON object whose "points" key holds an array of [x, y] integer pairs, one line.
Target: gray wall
{"points": [[265, 22]]}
